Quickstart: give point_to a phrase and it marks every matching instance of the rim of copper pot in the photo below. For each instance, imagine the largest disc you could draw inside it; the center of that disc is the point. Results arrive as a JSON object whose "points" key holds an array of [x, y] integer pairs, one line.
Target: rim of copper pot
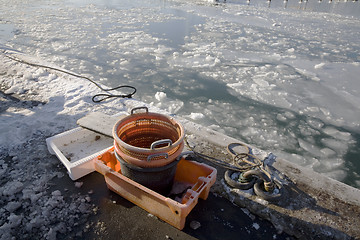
{"points": [[138, 116], [153, 163]]}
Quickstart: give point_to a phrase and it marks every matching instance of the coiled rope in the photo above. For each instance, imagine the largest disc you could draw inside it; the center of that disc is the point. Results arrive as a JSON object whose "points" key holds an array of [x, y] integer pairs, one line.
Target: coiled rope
{"points": [[247, 164]]}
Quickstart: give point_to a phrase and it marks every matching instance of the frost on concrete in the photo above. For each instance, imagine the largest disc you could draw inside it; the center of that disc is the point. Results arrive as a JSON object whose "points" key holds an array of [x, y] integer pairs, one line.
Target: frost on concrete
{"points": [[30, 209], [33, 202], [276, 78], [285, 81]]}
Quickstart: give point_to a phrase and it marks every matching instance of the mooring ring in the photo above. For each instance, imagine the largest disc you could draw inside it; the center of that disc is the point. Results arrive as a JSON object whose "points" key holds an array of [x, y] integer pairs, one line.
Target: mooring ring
{"points": [[237, 184], [260, 191]]}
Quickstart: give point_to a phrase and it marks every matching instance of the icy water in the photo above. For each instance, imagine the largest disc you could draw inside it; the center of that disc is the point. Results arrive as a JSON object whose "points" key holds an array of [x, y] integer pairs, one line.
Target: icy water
{"points": [[282, 76]]}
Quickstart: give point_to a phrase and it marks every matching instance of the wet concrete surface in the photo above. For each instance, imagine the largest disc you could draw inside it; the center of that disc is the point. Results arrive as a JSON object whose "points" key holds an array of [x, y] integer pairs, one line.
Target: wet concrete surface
{"points": [[113, 217], [316, 207], [117, 218], [312, 206]]}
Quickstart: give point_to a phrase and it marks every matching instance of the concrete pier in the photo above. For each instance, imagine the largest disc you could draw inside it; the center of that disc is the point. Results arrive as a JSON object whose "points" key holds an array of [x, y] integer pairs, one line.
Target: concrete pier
{"points": [[312, 205]]}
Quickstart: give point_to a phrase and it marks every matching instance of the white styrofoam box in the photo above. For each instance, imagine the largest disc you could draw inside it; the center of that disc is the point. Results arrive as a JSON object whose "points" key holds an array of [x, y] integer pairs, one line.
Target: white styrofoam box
{"points": [[77, 148]]}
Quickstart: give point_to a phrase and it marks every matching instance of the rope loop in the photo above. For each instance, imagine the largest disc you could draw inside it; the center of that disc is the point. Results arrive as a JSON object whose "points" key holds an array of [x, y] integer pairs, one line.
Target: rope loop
{"points": [[106, 96]]}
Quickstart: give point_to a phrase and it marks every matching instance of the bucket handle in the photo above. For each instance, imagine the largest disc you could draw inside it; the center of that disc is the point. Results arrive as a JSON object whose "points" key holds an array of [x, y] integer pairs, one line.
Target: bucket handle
{"points": [[137, 108], [159, 142], [157, 155]]}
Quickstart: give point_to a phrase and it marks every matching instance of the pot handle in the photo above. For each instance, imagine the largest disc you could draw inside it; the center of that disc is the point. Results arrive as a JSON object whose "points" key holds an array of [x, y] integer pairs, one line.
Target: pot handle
{"points": [[157, 155], [159, 142], [137, 108]]}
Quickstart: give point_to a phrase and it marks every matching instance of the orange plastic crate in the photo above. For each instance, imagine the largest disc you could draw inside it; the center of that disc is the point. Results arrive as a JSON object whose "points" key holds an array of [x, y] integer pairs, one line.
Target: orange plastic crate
{"points": [[200, 176]]}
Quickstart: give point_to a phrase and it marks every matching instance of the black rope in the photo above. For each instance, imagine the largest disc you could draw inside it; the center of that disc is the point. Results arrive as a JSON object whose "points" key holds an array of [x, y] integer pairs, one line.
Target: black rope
{"points": [[107, 96], [213, 160], [94, 98]]}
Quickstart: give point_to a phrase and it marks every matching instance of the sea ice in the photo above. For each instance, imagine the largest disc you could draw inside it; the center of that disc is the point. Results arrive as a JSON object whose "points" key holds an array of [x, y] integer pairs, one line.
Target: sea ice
{"points": [[196, 116], [262, 64]]}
